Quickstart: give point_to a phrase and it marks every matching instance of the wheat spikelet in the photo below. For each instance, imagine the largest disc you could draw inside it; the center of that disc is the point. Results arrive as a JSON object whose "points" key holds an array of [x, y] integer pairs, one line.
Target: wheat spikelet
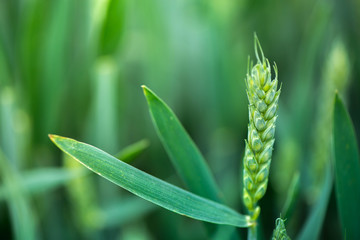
{"points": [[263, 99], [280, 231]]}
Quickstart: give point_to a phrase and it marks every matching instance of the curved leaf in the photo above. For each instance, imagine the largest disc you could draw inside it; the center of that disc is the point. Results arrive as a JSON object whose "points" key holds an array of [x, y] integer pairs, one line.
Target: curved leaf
{"points": [[183, 153], [347, 171], [313, 224], [148, 187]]}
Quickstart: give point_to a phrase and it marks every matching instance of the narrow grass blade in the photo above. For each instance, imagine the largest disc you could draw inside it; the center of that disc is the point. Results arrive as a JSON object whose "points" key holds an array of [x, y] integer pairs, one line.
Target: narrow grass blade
{"points": [[184, 154], [314, 222], [347, 171], [132, 151], [113, 27], [84, 204], [104, 119], [148, 187], [125, 210], [43, 180], [20, 209], [291, 197]]}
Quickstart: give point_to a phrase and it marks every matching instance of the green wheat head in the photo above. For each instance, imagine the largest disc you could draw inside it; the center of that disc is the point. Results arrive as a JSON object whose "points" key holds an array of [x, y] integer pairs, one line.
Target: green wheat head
{"points": [[263, 99], [280, 231]]}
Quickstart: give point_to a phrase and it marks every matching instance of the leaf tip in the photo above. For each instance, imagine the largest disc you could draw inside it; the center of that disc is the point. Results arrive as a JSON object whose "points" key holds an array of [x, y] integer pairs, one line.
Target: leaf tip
{"points": [[148, 93], [337, 100], [52, 137], [56, 138], [146, 90]]}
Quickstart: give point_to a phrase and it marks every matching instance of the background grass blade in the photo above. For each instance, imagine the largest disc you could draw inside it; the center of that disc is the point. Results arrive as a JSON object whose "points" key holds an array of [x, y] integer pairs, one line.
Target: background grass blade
{"points": [[149, 187], [314, 222], [125, 210], [44, 179], [184, 154], [291, 197], [20, 209], [84, 203], [347, 171], [130, 152]]}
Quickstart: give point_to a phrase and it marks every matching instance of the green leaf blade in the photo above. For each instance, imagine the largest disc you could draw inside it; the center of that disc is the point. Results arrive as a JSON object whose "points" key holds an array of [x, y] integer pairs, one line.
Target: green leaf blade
{"points": [[42, 180], [347, 171], [20, 208], [313, 225], [130, 152], [292, 196], [148, 187], [183, 153], [130, 209]]}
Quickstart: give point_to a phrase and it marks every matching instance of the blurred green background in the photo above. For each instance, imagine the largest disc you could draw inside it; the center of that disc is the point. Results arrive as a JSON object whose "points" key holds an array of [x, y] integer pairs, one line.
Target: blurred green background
{"points": [[75, 68]]}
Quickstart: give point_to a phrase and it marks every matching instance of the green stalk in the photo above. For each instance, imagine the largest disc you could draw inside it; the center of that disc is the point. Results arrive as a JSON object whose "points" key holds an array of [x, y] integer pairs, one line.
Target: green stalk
{"points": [[252, 232]]}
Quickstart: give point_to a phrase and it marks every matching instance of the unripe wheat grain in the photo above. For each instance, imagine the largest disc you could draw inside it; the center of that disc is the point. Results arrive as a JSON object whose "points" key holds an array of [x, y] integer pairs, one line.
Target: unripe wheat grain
{"points": [[263, 99]]}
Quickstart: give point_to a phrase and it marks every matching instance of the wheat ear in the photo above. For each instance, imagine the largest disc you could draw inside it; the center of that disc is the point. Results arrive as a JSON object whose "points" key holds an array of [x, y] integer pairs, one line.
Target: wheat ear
{"points": [[263, 99], [280, 231]]}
